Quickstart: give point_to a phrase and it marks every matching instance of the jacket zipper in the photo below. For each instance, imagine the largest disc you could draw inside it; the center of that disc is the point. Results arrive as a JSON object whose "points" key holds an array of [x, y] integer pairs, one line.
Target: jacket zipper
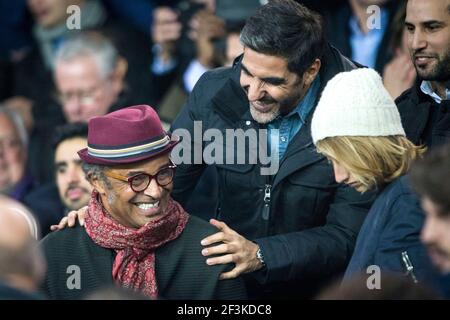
{"points": [[266, 208], [409, 266]]}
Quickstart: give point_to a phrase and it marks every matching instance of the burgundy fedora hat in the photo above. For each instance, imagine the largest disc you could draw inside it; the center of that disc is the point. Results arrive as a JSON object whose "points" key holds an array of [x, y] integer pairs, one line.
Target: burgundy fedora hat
{"points": [[125, 136]]}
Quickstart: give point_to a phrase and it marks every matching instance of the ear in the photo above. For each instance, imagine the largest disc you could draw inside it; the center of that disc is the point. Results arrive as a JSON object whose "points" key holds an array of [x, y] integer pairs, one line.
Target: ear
{"points": [[97, 184], [311, 73], [119, 74]]}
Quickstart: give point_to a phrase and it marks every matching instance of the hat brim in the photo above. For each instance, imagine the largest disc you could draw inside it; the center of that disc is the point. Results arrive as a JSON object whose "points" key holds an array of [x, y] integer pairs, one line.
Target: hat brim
{"points": [[87, 158]]}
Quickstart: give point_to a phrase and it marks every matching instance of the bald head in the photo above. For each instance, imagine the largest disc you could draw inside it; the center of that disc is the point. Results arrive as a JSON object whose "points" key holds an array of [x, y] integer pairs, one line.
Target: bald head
{"points": [[17, 224], [21, 262]]}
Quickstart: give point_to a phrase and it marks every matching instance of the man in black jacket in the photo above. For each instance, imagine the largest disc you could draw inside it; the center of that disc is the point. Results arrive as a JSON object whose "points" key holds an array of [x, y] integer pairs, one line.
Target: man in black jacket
{"points": [[289, 230], [425, 108]]}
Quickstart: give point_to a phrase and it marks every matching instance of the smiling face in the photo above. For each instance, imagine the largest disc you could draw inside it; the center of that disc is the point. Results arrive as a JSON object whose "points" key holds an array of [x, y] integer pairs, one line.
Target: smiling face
{"points": [[436, 235], [74, 190], [428, 36], [270, 87], [133, 209]]}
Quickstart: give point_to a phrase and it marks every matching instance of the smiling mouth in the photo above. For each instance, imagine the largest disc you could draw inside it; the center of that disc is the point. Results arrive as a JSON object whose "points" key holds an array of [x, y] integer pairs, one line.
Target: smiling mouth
{"points": [[423, 59], [147, 205]]}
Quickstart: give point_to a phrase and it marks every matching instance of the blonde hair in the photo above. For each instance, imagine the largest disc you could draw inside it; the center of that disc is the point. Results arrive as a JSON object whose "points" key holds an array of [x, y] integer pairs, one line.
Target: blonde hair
{"points": [[372, 161]]}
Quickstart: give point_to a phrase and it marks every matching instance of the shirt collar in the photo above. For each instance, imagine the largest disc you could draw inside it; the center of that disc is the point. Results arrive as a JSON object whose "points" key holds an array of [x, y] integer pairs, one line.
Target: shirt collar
{"points": [[426, 88], [307, 102]]}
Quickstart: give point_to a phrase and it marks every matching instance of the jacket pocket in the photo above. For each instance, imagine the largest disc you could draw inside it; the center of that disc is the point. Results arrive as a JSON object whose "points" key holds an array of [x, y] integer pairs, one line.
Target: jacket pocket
{"points": [[307, 195]]}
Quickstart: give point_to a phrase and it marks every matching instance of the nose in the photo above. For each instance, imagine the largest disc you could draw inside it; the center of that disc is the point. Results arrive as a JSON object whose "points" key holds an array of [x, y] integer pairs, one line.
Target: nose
{"points": [[418, 40], [154, 190], [254, 88], [74, 175], [340, 174], [72, 107], [340, 177], [254, 93]]}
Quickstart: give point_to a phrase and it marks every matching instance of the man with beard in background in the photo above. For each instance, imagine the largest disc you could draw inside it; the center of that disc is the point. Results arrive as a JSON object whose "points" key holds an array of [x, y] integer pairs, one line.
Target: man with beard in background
{"points": [[72, 191], [424, 107]]}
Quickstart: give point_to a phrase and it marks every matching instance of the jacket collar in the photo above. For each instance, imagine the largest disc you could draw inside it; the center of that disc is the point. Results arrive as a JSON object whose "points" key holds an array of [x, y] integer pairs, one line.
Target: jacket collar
{"points": [[416, 115]]}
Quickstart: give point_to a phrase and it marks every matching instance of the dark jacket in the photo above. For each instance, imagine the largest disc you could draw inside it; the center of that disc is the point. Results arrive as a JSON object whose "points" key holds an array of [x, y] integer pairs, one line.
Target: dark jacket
{"points": [[424, 120], [308, 229], [181, 270], [393, 226]]}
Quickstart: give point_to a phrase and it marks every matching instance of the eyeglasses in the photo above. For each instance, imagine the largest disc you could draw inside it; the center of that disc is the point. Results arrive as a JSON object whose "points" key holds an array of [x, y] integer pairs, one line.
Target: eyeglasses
{"points": [[84, 97], [141, 181]]}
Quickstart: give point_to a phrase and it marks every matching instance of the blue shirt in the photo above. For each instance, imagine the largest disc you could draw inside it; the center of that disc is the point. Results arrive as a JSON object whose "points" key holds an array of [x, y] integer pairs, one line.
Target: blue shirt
{"points": [[365, 46], [426, 88], [285, 128]]}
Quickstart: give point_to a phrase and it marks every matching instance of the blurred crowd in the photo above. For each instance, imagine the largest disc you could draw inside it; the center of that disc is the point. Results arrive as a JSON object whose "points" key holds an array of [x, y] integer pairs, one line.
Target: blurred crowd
{"points": [[55, 78]]}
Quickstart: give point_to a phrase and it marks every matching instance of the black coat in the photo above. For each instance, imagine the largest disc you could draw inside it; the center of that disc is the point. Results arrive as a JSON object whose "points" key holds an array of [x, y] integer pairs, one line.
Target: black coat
{"points": [[424, 120], [181, 270], [307, 232]]}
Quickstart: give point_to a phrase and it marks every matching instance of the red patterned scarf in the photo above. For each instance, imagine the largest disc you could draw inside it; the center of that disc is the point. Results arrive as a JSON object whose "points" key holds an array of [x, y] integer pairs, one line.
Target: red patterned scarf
{"points": [[134, 265]]}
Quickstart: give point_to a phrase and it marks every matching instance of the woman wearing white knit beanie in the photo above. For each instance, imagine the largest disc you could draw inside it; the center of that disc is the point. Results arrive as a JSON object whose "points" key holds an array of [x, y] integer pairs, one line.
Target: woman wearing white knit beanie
{"points": [[356, 125]]}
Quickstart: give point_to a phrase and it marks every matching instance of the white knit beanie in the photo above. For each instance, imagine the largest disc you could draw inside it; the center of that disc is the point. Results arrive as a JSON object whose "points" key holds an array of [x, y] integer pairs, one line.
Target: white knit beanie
{"points": [[355, 103]]}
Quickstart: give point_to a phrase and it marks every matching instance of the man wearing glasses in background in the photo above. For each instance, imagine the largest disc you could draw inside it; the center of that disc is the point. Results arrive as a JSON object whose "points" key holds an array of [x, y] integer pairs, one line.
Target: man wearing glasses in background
{"points": [[135, 236], [89, 77]]}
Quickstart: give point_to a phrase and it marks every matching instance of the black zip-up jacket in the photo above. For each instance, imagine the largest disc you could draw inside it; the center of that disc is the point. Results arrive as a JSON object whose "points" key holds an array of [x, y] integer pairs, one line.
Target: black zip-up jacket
{"points": [[425, 121]]}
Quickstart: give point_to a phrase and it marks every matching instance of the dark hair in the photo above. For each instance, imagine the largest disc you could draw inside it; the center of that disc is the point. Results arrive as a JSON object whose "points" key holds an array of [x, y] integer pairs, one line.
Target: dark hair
{"points": [[286, 29], [430, 175], [69, 131]]}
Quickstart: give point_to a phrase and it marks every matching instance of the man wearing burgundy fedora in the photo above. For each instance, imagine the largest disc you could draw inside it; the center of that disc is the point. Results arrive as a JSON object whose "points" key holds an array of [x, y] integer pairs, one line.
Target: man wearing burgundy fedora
{"points": [[135, 234]]}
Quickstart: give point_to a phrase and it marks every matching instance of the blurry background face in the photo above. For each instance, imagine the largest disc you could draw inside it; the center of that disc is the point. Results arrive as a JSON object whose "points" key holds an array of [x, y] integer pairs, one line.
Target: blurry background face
{"points": [[428, 35], [49, 13], [12, 155], [436, 235], [74, 189], [84, 91]]}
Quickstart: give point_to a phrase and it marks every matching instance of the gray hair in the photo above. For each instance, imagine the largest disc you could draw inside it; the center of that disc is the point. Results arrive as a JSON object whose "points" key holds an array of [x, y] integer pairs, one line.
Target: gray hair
{"points": [[18, 123], [90, 44], [97, 171]]}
